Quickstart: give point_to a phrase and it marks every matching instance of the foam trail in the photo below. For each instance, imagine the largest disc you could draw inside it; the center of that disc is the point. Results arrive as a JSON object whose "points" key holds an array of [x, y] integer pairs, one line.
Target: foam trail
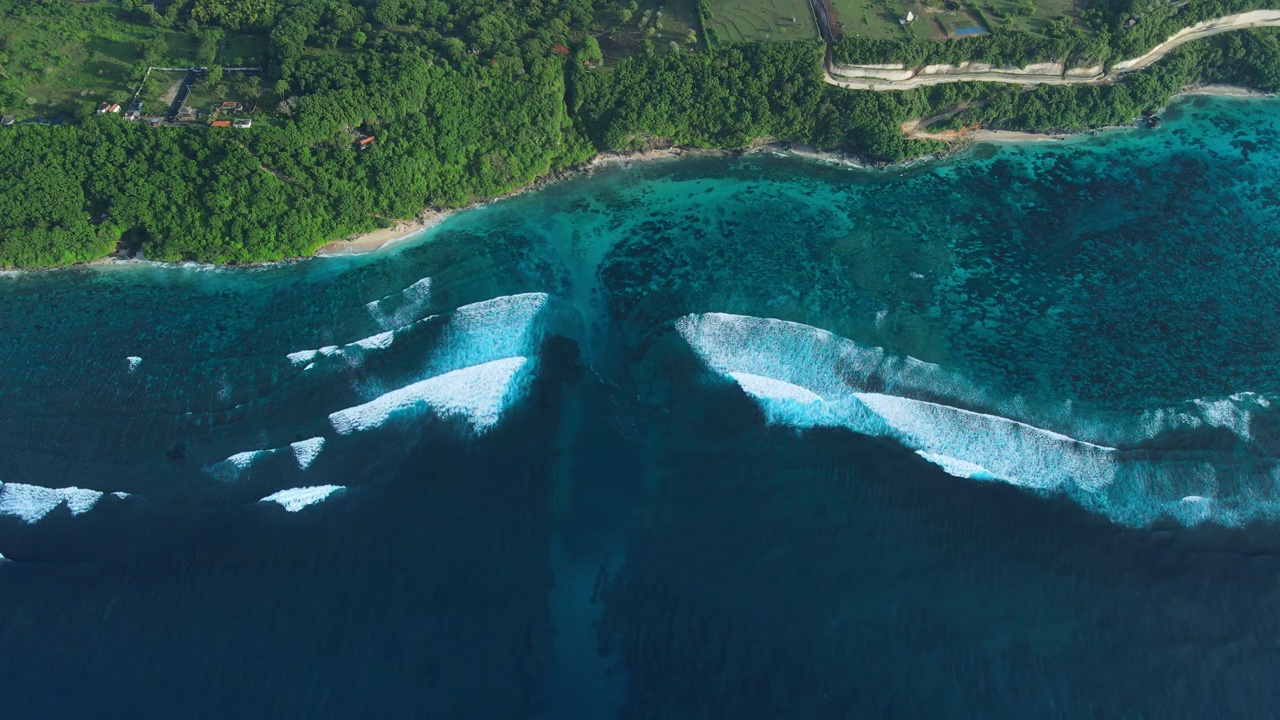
{"points": [[295, 499], [402, 308], [31, 503], [306, 451], [479, 394]]}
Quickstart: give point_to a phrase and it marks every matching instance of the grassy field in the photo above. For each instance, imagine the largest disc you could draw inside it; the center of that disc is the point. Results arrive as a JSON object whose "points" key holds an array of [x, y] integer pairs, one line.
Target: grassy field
{"points": [[88, 53], [75, 52], [754, 20], [243, 51], [939, 19], [1034, 15], [878, 19]]}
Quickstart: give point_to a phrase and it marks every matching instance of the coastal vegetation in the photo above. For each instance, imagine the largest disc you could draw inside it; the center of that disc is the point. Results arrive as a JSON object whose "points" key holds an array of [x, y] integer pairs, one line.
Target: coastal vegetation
{"points": [[366, 111]]}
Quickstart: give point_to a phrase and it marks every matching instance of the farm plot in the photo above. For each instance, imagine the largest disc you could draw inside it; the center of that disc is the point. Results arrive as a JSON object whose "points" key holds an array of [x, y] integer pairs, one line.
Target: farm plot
{"points": [[1025, 15], [757, 20], [880, 19]]}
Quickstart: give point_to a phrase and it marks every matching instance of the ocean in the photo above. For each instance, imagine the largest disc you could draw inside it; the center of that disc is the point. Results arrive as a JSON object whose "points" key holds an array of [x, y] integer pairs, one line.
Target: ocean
{"points": [[988, 436]]}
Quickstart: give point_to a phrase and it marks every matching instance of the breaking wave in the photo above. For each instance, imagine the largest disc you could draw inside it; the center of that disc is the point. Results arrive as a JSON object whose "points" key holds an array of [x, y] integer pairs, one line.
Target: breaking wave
{"points": [[803, 377], [472, 334], [305, 452], [230, 469], [295, 499], [31, 503], [400, 309], [478, 394]]}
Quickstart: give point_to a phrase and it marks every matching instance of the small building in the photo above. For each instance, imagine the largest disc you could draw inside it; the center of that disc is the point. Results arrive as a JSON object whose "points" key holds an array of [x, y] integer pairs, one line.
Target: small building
{"points": [[364, 143], [561, 49], [228, 105], [220, 123], [104, 108], [134, 111], [242, 123], [6, 120]]}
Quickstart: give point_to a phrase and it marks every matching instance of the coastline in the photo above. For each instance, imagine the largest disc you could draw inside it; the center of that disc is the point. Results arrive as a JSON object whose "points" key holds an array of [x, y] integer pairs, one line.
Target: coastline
{"points": [[958, 139], [429, 218], [432, 217]]}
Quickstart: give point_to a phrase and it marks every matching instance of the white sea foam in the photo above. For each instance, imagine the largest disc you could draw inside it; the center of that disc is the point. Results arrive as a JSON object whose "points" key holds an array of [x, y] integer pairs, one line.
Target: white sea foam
{"points": [[962, 442], [766, 388], [80, 500], [381, 341], [1234, 413], [30, 503], [120, 495], [1010, 450], [503, 327], [823, 363], [402, 308], [472, 334], [243, 460], [786, 403], [958, 467], [134, 361], [479, 394], [294, 499], [303, 357], [231, 468], [306, 451]]}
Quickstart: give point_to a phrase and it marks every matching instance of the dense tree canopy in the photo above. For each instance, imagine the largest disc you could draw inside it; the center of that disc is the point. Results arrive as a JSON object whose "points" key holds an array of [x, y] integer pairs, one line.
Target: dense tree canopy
{"points": [[467, 100]]}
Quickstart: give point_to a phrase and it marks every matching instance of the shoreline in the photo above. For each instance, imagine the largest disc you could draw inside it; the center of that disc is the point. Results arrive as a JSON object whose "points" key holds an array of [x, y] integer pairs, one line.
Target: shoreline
{"points": [[430, 218]]}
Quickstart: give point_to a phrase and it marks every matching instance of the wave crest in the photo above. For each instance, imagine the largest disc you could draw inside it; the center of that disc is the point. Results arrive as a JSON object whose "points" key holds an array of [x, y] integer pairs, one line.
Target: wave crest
{"points": [[803, 376]]}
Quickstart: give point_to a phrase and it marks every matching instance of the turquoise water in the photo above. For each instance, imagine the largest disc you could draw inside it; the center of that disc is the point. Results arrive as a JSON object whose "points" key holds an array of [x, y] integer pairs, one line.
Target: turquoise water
{"points": [[756, 437]]}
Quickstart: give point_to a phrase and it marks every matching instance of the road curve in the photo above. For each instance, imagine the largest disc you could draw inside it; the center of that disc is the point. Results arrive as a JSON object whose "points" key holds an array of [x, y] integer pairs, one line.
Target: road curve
{"points": [[897, 77]]}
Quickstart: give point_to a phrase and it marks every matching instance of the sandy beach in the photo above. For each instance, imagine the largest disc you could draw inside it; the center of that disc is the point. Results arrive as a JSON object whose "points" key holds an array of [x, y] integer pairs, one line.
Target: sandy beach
{"points": [[369, 242]]}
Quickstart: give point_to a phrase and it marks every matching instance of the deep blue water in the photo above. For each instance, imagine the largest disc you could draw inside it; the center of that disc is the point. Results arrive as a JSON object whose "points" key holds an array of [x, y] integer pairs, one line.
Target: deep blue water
{"points": [[993, 437]]}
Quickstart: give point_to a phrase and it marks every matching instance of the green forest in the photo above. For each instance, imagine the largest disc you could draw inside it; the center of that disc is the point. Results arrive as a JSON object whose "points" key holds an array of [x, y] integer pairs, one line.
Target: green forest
{"points": [[464, 100]]}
